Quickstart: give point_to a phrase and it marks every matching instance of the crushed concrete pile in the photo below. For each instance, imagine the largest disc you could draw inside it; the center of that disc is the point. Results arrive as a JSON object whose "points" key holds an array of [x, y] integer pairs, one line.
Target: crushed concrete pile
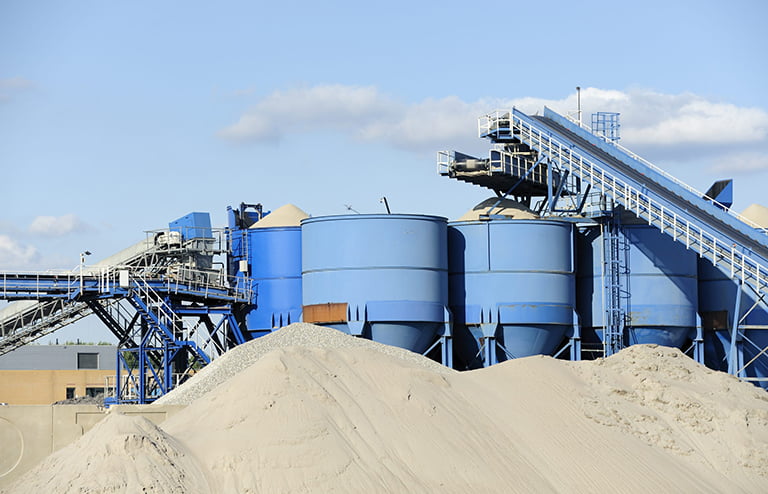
{"points": [[82, 400], [358, 418]]}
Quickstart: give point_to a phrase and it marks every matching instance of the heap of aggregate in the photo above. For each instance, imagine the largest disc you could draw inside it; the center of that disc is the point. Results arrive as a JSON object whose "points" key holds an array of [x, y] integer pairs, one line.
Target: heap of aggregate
{"points": [[297, 334], [359, 418]]}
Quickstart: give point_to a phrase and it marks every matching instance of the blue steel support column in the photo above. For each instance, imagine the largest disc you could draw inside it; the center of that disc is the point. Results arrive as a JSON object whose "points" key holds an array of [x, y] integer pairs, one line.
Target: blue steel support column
{"points": [[735, 358], [117, 374], [489, 337], [698, 342], [167, 368], [142, 372], [447, 339], [550, 187], [576, 338], [235, 328]]}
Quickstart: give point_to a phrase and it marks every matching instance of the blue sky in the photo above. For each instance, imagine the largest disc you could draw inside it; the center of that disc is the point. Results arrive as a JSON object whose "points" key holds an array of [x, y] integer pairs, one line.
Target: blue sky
{"points": [[118, 117]]}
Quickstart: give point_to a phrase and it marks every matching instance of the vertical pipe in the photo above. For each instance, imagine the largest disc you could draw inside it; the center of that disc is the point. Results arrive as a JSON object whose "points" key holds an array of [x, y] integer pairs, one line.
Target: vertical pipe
{"points": [[117, 374], [578, 103], [142, 372]]}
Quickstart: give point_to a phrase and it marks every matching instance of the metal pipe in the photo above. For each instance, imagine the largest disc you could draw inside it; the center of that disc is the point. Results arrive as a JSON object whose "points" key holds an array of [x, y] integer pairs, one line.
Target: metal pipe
{"points": [[386, 204], [578, 103]]}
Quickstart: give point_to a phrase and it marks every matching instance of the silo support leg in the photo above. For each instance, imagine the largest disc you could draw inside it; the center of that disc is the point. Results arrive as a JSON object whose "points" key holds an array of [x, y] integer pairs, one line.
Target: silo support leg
{"points": [[490, 344], [447, 351], [698, 342], [489, 336], [576, 338], [734, 356]]}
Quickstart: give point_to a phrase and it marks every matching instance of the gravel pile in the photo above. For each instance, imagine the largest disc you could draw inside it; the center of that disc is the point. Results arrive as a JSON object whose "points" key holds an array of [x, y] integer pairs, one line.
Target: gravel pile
{"points": [[83, 400], [297, 334]]}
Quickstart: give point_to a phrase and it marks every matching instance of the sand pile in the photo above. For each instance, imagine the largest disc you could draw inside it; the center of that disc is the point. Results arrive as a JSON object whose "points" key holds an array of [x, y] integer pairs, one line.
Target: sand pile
{"points": [[122, 454], [757, 213], [305, 335], [288, 215], [665, 399], [358, 419], [499, 207]]}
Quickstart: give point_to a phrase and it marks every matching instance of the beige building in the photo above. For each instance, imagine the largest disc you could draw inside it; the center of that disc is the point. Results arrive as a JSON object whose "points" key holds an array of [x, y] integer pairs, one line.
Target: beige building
{"points": [[44, 374]]}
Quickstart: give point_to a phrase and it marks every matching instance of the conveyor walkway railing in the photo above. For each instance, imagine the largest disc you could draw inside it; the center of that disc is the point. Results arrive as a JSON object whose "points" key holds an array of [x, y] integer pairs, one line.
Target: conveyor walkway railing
{"points": [[668, 212], [60, 298], [670, 177]]}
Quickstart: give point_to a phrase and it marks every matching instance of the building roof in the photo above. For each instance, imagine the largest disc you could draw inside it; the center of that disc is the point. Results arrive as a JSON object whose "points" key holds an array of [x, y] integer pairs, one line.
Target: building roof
{"points": [[59, 357]]}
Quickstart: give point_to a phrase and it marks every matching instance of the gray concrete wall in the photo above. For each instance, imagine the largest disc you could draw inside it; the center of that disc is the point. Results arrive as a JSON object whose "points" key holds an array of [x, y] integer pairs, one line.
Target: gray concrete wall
{"points": [[29, 433]]}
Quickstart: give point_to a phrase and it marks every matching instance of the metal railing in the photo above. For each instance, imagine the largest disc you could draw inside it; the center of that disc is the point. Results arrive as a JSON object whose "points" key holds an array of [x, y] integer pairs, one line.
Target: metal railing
{"points": [[163, 313], [668, 175], [508, 162], [655, 213], [177, 278]]}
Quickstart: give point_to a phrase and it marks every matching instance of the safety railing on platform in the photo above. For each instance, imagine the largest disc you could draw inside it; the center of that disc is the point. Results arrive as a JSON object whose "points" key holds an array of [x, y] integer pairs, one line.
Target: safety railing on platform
{"points": [[741, 266], [176, 279], [444, 160], [164, 314], [668, 175]]}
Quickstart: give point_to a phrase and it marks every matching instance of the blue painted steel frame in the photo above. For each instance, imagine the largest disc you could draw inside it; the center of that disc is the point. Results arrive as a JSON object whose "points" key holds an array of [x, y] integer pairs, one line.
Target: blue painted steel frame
{"points": [[661, 189]]}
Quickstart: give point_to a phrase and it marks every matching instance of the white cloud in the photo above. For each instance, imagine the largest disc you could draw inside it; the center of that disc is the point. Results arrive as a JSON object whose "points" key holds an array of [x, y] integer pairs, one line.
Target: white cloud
{"points": [[680, 126], [12, 85], [690, 119], [56, 226], [14, 254], [741, 163], [317, 108]]}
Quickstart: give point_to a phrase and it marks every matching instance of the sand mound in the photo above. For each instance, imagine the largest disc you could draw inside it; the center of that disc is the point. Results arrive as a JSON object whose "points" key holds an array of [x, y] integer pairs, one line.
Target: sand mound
{"points": [[757, 213], [288, 215], [356, 420], [297, 334], [506, 207], [121, 454], [664, 398], [301, 418]]}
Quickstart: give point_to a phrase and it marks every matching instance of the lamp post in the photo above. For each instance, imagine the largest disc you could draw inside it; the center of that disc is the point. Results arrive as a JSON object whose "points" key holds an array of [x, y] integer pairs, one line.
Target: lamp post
{"points": [[82, 264]]}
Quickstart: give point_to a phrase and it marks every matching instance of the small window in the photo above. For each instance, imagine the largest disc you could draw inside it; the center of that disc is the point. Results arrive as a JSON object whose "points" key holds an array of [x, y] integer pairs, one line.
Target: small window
{"points": [[70, 393], [87, 360], [94, 392]]}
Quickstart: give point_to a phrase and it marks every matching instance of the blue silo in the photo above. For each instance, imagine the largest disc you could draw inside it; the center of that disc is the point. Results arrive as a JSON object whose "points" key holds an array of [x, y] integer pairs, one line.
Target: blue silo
{"points": [[266, 251], [658, 285], [717, 304], [380, 276], [512, 288]]}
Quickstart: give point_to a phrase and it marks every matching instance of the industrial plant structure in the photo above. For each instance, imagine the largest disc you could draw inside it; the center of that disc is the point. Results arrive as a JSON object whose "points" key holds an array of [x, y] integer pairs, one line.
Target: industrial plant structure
{"points": [[585, 249]]}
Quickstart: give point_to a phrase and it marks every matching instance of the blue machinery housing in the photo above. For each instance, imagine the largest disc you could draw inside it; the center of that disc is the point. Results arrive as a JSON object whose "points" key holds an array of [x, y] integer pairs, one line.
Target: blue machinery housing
{"points": [[268, 262], [383, 277], [510, 297], [615, 252]]}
